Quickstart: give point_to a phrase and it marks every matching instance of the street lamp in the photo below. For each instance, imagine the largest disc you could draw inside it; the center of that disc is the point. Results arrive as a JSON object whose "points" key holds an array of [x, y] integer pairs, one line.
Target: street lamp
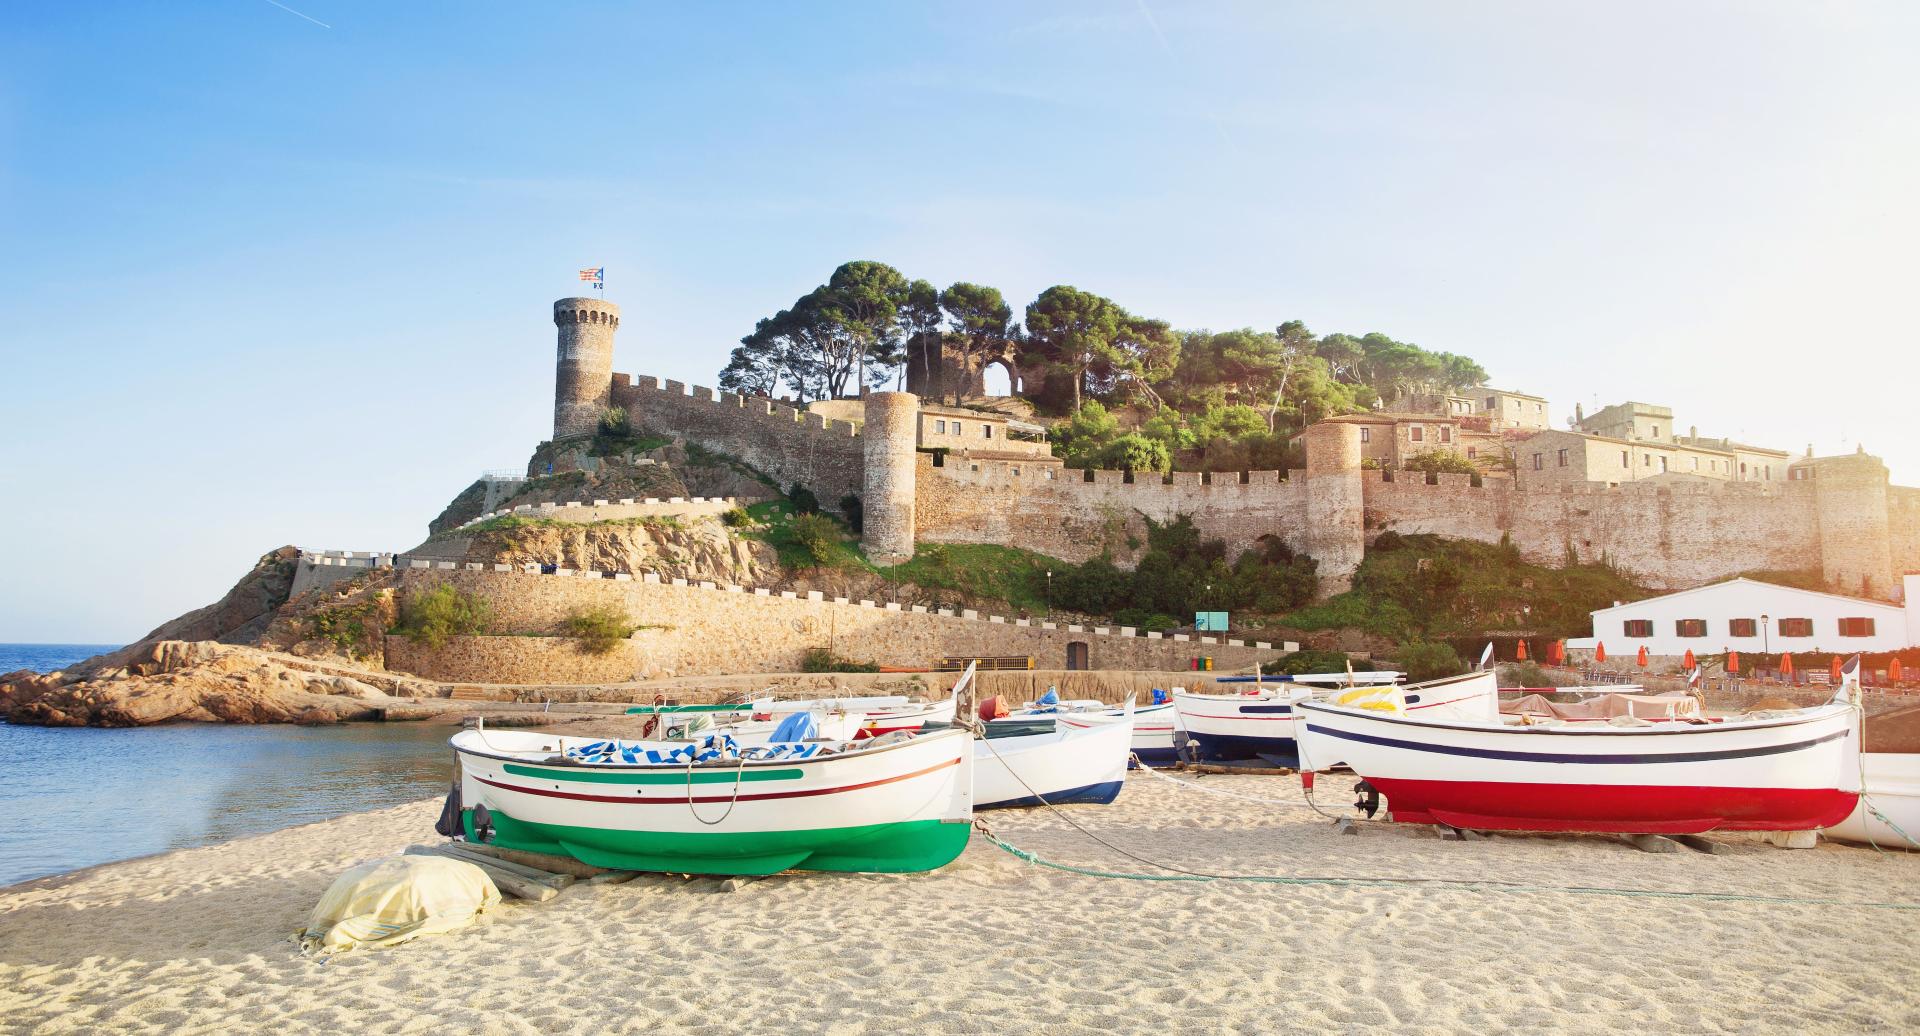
{"points": [[1049, 600], [1766, 639]]}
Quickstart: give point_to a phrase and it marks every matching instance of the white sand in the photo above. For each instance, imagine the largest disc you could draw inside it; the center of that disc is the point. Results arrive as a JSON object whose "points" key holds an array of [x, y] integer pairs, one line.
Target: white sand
{"points": [[199, 941]]}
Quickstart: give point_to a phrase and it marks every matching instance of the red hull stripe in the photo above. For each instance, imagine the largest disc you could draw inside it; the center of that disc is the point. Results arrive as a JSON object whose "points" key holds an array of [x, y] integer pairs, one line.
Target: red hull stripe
{"points": [[1614, 759], [1630, 808], [636, 801], [1435, 704]]}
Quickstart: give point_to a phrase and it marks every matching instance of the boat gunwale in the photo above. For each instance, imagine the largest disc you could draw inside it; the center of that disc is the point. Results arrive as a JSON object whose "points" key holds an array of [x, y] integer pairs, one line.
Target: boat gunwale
{"points": [[1663, 727], [863, 753]]}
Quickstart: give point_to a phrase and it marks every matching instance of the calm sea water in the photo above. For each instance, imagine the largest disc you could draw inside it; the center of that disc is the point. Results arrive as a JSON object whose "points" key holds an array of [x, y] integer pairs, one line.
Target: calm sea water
{"points": [[75, 797]]}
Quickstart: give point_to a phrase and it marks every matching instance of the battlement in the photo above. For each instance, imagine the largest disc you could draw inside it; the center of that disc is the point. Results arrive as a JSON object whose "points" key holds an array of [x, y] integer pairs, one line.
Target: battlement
{"points": [[586, 311]]}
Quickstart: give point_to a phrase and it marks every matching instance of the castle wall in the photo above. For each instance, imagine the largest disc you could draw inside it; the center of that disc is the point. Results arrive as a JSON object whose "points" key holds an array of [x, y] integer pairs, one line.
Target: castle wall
{"points": [[1903, 528], [790, 446], [1850, 495], [705, 629], [1069, 517]]}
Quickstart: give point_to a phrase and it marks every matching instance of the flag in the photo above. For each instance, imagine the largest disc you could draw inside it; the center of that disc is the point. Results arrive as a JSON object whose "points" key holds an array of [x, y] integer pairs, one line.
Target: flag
{"points": [[1487, 655], [1693, 677], [598, 275]]}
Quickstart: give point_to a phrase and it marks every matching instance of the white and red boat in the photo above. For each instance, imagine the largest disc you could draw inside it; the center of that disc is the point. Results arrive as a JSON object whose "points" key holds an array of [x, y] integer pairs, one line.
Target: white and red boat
{"points": [[1261, 722], [1781, 772]]}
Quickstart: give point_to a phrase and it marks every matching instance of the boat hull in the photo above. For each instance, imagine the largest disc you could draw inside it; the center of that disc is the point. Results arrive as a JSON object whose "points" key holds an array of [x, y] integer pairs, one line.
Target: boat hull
{"points": [[1067, 765], [1153, 728], [895, 808], [1893, 788], [1781, 775], [1265, 726]]}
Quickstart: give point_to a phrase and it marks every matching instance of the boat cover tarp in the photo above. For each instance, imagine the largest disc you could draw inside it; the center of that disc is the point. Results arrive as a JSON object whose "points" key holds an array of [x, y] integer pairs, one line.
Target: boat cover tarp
{"points": [[797, 727], [386, 902], [1605, 706]]}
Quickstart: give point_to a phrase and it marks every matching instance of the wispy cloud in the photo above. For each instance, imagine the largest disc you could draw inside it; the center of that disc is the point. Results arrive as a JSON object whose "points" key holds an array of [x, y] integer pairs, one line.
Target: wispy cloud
{"points": [[291, 11]]}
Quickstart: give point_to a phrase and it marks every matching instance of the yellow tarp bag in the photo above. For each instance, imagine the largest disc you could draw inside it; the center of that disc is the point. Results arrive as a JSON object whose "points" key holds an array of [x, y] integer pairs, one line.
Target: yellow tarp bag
{"points": [[387, 902]]}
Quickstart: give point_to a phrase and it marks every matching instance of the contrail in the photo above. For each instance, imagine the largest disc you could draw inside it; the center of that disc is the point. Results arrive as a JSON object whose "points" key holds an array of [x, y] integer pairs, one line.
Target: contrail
{"points": [[291, 11], [1167, 48]]}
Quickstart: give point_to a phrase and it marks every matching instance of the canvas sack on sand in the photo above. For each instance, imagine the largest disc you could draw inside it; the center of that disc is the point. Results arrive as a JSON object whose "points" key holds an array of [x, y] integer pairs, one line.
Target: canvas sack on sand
{"points": [[386, 902]]}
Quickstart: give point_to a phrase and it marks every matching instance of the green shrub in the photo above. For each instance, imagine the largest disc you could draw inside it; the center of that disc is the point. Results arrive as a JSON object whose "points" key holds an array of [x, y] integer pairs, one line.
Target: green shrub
{"points": [[432, 617], [823, 660], [1527, 674], [736, 518], [1308, 661], [1442, 460], [599, 628], [1426, 660], [1142, 619], [803, 500], [816, 534], [615, 423]]}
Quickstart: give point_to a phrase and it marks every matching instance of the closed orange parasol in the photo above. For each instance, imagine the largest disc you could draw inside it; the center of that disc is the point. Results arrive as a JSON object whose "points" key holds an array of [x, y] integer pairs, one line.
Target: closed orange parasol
{"points": [[1520, 653], [1893, 669], [1557, 652], [1600, 651], [1687, 661], [1834, 669], [1786, 664], [1642, 658], [1733, 662]]}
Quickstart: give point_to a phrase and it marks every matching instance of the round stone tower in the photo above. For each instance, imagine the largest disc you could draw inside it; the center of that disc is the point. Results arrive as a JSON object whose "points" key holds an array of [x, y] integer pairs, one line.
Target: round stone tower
{"points": [[1850, 499], [892, 435], [1336, 508], [583, 381]]}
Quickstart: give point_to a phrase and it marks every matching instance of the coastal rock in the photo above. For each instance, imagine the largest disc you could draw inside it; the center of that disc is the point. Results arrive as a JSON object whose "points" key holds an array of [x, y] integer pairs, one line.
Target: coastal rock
{"points": [[182, 681], [694, 549]]}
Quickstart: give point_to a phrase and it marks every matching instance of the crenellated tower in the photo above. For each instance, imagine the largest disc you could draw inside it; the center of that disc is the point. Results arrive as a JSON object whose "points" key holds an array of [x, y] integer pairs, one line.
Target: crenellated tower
{"points": [[892, 434], [583, 377], [1336, 505]]}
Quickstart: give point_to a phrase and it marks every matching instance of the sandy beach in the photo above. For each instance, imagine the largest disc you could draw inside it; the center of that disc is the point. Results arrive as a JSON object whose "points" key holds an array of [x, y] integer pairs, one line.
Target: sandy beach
{"points": [[199, 941]]}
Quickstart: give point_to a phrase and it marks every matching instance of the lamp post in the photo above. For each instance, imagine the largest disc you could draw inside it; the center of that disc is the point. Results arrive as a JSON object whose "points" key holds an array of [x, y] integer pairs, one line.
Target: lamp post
{"points": [[1049, 599], [1766, 637]]}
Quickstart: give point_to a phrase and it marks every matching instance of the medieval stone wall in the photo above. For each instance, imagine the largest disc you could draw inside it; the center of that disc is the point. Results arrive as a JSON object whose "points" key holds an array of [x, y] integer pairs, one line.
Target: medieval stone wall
{"points": [[790, 446], [1903, 528], [704, 629]]}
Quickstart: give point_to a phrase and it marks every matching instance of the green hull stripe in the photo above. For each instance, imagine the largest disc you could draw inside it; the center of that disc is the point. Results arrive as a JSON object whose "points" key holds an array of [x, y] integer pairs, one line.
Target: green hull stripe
{"points": [[653, 710], [913, 845], [678, 776]]}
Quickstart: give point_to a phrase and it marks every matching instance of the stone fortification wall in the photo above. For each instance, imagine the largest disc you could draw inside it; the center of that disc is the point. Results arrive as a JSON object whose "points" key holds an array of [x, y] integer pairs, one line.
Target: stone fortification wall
{"points": [[319, 569], [584, 511], [1076, 515], [1903, 528], [1850, 498], [790, 446], [703, 628]]}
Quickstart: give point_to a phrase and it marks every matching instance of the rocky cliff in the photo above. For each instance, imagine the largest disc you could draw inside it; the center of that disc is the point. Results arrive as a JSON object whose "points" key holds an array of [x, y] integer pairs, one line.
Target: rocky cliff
{"points": [[693, 549]]}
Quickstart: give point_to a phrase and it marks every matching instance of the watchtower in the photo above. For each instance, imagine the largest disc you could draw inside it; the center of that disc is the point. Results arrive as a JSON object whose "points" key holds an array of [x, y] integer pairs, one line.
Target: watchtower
{"points": [[892, 439], [583, 377], [1850, 498], [1336, 505]]}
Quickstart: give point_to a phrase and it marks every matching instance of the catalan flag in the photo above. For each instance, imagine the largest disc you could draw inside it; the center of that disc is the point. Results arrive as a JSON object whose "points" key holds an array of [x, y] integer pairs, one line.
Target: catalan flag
{"points": [[598, 275]]}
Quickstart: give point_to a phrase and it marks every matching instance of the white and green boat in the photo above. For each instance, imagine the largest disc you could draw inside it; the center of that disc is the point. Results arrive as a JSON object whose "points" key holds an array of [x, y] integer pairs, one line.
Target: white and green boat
{"points": [[902, 803]]}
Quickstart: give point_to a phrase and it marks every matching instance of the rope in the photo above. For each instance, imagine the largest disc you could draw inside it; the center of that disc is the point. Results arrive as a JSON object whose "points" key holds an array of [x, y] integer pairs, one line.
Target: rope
{"points": [[738, 771], [1439, 884]]}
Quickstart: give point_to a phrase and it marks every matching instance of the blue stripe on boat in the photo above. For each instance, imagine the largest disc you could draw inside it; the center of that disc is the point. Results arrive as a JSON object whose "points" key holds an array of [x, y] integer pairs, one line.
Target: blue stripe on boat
{"points": [[1095, 793], [1553, 757]]}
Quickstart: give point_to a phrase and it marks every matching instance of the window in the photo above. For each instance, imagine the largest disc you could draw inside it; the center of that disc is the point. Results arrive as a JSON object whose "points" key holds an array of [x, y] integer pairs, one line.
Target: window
{"points": [[1536, 461], [1417, 433], [1472, 452], [1796, 627], [1690, 627], [1493, 402], [1446, 434], [1563, 458], [1743, 469], [940, 426], [1646, 460], [1639, 627], [1366, 435], [986, 430], [1539, 408], [1856, 627], [1656, 431], [1767, 473], [1663, 465], [1624, 462], [1016, 471], [1696, 464], [1741, 628], [1050, 474]]}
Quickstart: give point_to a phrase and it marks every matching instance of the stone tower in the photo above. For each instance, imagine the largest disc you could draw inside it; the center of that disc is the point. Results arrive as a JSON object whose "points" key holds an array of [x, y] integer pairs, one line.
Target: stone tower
{"points": [[583, 379], [1336, 506], [1850, 500], [892, 437]]}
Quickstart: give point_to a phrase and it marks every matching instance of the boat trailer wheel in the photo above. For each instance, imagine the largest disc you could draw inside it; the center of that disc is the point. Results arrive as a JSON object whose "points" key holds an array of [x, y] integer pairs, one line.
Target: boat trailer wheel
{"points": [[1367, 798]]}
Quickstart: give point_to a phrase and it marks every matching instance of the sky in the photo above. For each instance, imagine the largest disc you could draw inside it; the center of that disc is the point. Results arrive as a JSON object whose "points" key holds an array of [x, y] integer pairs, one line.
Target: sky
{"points": [[282, 273]]}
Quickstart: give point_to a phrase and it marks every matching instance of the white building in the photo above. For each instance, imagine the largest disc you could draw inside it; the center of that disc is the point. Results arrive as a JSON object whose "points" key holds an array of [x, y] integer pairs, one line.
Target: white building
{"points": [[1745, 615]]}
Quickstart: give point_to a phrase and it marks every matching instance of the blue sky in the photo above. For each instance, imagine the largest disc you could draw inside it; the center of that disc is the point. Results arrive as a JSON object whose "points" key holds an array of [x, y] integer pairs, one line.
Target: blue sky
{"points": [[267, 282]]}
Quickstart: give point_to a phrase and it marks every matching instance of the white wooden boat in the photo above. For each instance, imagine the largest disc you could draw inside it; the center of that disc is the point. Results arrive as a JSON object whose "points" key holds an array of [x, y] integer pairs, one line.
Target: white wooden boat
{"points": [[1892, 789], [1261, 723], [1153, 728], [1086, 764], [895, 805], [911, 716], [1768, 773]]}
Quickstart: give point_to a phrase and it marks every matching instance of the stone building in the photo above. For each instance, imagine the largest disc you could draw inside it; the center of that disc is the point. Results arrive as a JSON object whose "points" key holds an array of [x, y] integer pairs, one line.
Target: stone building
{"points": [[1670, 530], [1513, 410]]}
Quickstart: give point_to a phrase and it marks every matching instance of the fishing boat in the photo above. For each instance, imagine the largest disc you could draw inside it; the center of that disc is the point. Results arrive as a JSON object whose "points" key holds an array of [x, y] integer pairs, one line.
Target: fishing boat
{"points": [[1260, 722], [909, 716], [1888, 815], [1065, 764], [1768, 772], [895, 804], [1153, 727]]}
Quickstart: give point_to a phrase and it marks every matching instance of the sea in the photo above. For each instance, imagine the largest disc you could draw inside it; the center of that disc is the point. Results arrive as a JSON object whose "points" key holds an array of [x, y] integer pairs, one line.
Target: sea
{"points": [[79, 796]]}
